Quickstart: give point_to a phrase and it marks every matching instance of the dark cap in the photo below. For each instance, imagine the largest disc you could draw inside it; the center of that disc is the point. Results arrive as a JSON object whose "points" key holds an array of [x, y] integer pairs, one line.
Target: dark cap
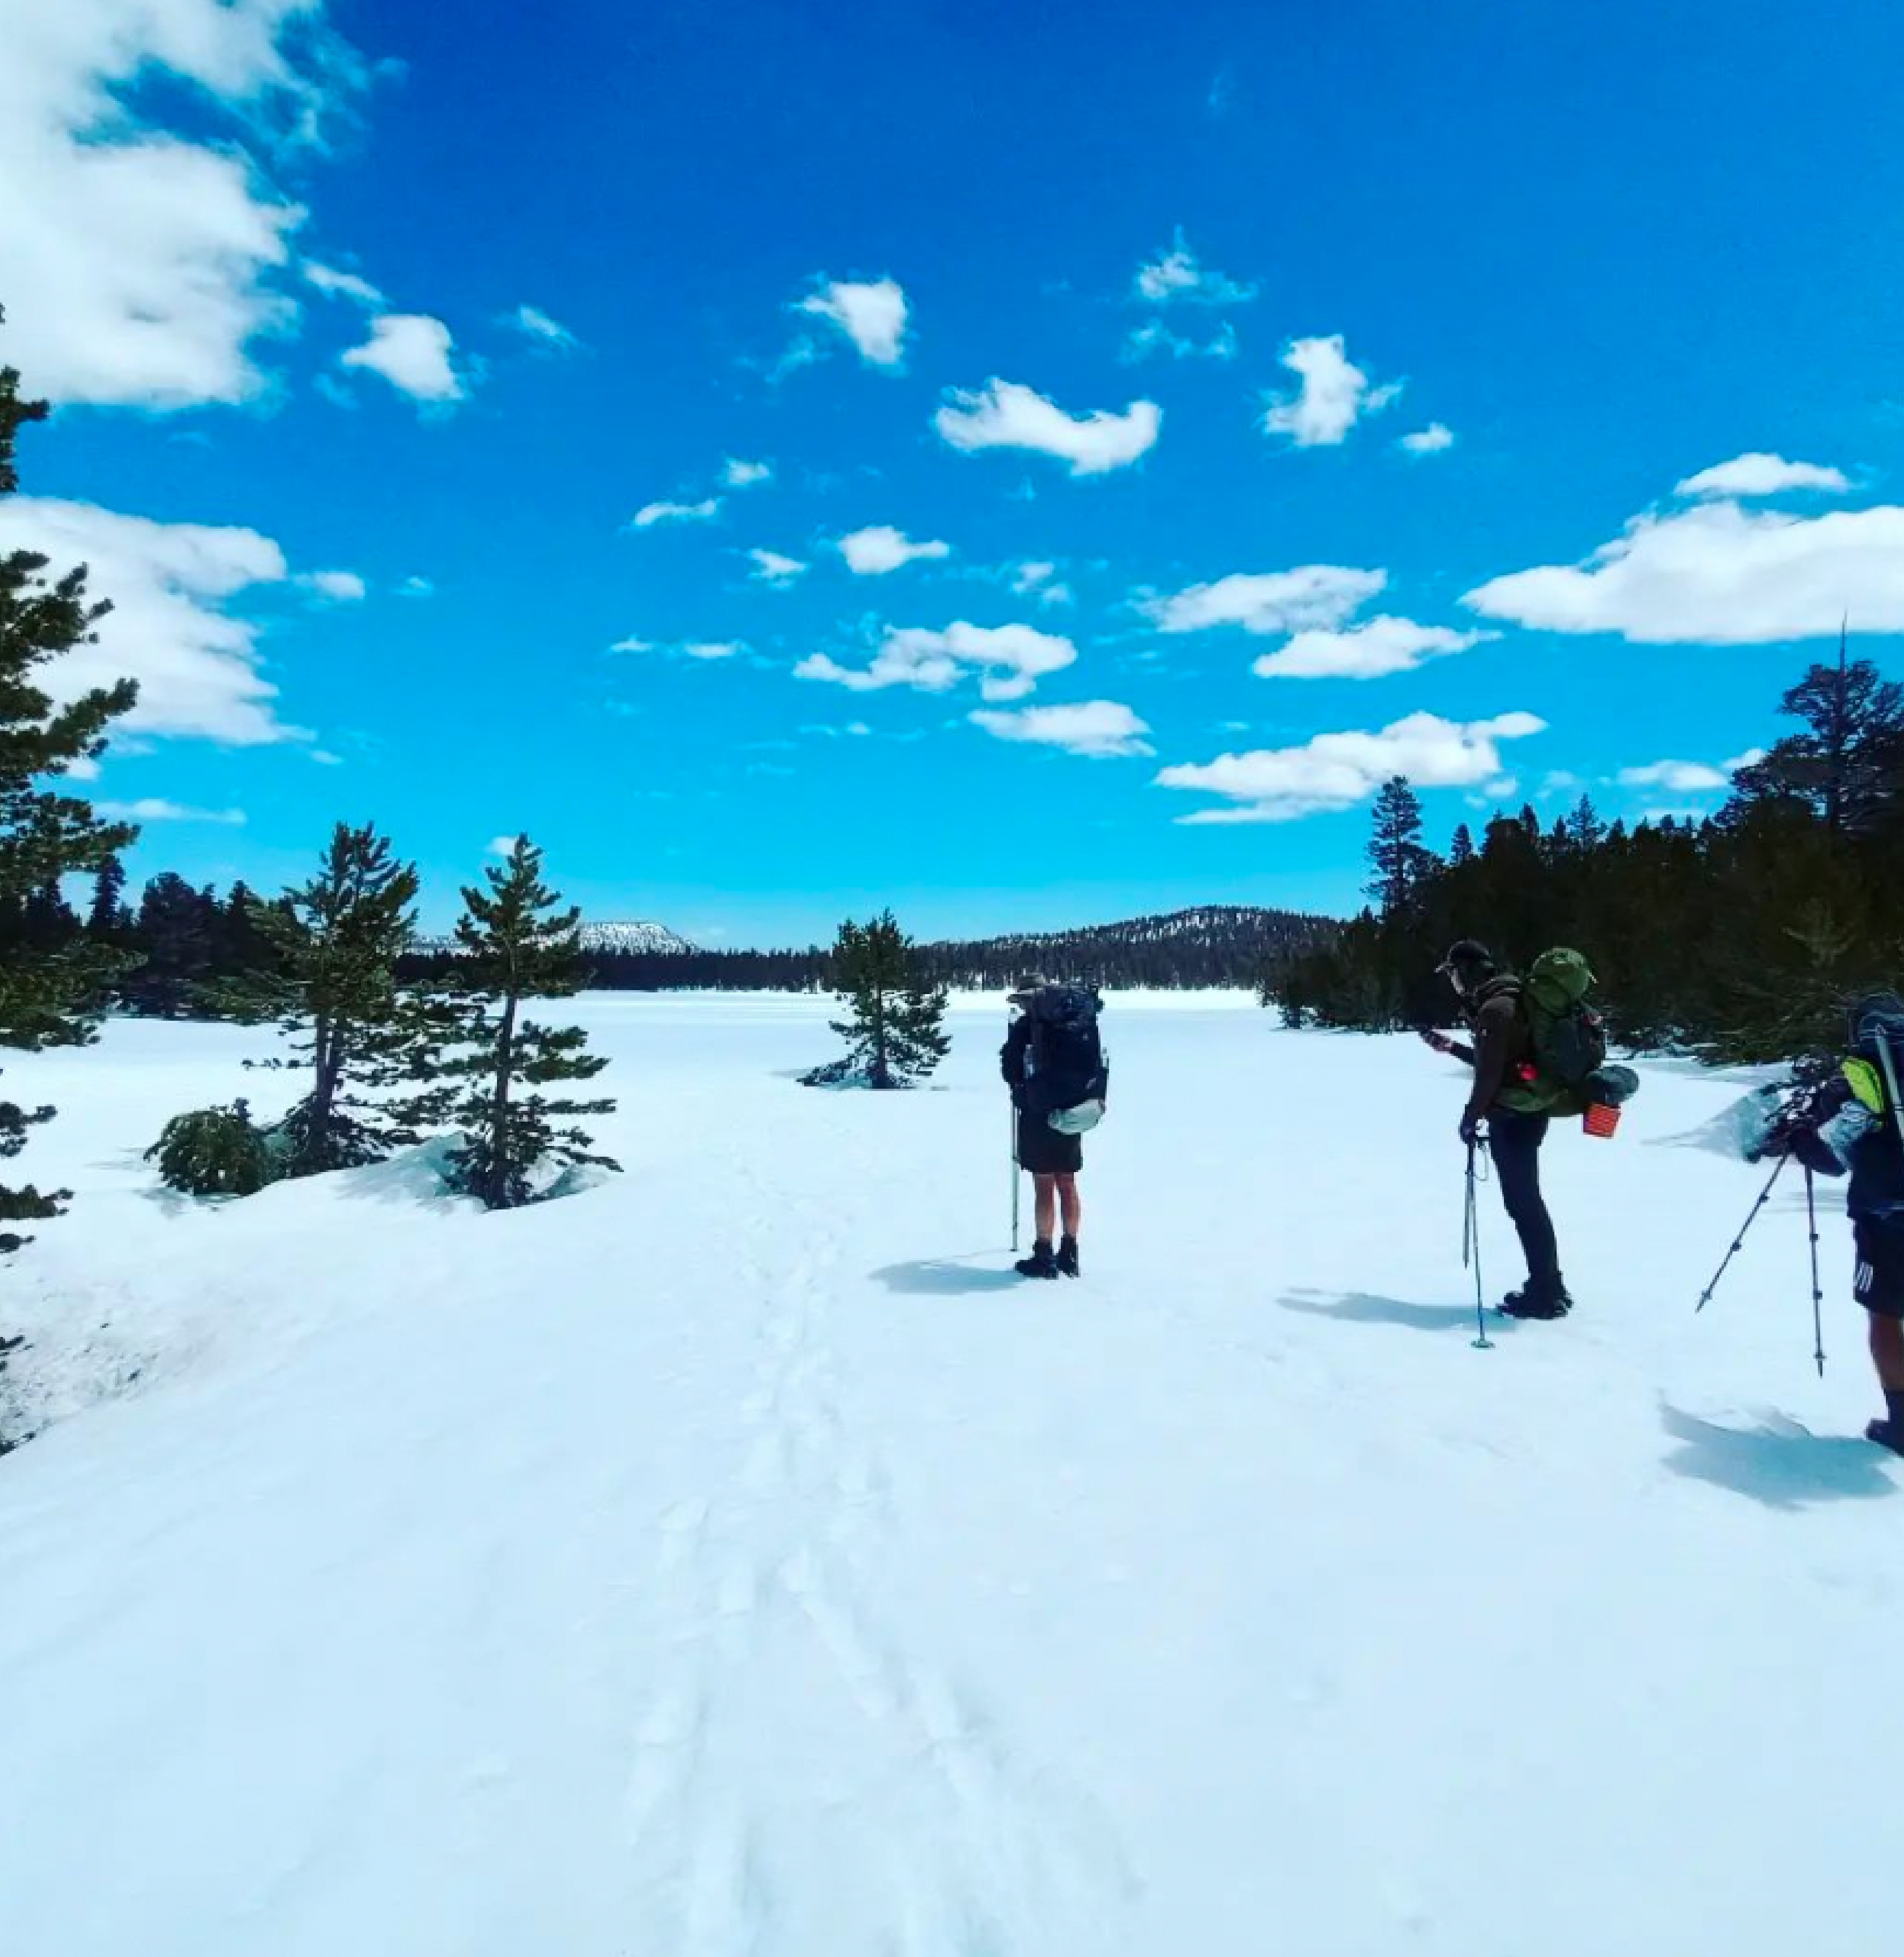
{"points": [[1466, 954]]}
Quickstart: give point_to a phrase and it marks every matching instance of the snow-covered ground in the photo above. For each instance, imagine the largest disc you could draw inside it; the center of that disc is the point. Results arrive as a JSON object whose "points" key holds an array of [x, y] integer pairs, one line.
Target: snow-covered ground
{"points": [[732, 1559]]}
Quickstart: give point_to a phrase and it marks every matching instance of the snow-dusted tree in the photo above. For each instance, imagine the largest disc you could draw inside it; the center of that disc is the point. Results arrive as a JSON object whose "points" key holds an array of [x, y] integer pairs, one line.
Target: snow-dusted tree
{"points": [[515, 945], [332, 990], [51, 982], [893, 1026]]}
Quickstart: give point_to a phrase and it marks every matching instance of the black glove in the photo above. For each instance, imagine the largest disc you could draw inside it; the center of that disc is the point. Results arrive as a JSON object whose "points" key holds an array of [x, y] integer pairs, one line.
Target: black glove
{"points": [[1470, 1129], [1439, 1042]]}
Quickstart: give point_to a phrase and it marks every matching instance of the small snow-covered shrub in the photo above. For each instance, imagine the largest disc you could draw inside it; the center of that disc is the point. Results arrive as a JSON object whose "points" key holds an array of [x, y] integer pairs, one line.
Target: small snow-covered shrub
{"points": [[217, 1152]]}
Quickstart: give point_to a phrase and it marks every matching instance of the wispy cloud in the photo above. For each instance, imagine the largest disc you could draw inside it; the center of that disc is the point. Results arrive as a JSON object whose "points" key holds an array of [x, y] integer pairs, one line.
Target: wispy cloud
{"points": [[1099, 729], [535, 325], [1758, 474], [1178, 277], [736, 474], [770, 568], [1435, 439], [708, 651], [416, 587], [650, 514], [1334, 395], [879, 549], [339, 587], [415, 354], [153, 808], [1009, 660], [336, 284], [1153, 337], [1311, 597], [1337, 771], [872, 314], [1002, 414], [1374, 649]]}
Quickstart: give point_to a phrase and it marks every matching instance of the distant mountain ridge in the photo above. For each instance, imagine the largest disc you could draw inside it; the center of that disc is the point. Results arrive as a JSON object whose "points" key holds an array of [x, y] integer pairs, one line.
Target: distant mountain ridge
{"points": [[634, 937], [1209, 945]]}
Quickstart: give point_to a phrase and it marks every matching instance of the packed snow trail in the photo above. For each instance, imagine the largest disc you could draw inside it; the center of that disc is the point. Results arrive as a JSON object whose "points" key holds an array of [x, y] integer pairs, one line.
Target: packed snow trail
{"points": [[732, 1558]]}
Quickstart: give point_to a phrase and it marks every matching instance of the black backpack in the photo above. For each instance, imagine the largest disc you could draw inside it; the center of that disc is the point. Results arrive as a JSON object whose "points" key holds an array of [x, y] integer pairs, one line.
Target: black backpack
{"points": [[1065, 1064]]}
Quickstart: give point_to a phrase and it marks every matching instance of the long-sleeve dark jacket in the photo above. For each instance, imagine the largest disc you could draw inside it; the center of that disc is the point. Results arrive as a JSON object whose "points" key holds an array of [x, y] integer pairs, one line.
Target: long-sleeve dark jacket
{"points": [[1014, 1056], [1503, 1043]]}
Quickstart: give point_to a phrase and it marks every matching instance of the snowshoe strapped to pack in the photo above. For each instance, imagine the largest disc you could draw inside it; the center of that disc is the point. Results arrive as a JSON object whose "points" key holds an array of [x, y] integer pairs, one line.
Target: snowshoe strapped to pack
{"points": [[1067, 1075]]}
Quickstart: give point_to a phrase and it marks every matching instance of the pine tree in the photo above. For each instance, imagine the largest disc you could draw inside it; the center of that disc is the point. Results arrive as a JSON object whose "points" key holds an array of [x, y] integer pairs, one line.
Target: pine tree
{"points": [[1395, 854], [1844, 766], [1462, 849], [334, 943], [1585, 830], [47, 990], [516, 946], [105, 917], [893, 1028], [174, 929]]}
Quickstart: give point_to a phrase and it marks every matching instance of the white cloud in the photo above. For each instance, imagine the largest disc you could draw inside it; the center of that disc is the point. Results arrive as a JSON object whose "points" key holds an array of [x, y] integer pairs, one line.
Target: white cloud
{"points": [[152, 808], [1153, 336], [1335, 394], [879, 549], [503, 846], [335, 284], [536, 326], [1750, 758], [1311, 597], [709, 650], [1435, 439], [1177, 275], [140, 240], [1336, 771], [1676, 777], [416, 587], [1718, 574], [341, 587], [1371, 650], [1099, 729], [652, 513], [1010, 660], [739, 475], [1033, 579], [770, 568], [872, 314], [1758, 474], [197, 664], [1004, 415], [634, 646], [413, 353]]}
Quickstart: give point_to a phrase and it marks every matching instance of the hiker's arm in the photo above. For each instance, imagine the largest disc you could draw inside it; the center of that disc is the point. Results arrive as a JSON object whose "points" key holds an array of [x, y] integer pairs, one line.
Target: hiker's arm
{"points": [[1441, 1043], [1493, 1040]]}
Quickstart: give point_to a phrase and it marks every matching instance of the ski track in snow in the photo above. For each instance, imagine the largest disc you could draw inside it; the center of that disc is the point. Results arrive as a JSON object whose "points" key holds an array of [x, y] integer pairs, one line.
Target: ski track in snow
{"points": [[994, 1862]]}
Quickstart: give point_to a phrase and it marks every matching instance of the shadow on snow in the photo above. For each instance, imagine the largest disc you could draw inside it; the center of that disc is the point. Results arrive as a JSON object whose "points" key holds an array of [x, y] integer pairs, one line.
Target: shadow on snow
{"points": [[947, 1277], [1360, 1308], [1777, 1462]]}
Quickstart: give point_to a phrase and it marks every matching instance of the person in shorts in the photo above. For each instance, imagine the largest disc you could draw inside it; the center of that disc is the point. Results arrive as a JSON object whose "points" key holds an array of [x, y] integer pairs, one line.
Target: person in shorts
{"points": [[1051, 1159], [1851, 1123]]}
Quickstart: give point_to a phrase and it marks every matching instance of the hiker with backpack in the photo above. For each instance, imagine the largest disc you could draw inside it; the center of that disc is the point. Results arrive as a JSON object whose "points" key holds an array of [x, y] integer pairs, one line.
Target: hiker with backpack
{"points": [[1854, 1122], [1540, 1050], [1053, 1062]]}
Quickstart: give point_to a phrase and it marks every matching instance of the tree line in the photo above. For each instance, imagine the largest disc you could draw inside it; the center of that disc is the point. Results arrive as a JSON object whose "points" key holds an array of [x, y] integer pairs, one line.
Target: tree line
{"points": [[1740, 937], [179, 940]]}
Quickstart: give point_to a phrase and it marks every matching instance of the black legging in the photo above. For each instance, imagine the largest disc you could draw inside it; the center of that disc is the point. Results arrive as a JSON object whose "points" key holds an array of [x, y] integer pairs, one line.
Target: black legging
{"points": [[1515, 1140]]}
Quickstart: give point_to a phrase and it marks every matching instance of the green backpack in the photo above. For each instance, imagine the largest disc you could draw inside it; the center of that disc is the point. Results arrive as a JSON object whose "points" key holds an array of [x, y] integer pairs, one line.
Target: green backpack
{"points": [[1567, 1038]]}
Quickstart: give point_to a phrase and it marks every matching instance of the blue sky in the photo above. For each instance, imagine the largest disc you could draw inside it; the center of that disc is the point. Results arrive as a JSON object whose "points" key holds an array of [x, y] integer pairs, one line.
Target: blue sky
{"points": [[1627, 277]]}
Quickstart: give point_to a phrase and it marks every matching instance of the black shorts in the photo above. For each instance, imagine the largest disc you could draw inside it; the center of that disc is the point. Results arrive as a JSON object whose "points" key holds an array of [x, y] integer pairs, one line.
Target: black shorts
{"points": [[1879, 1286], [1043, 1151]]}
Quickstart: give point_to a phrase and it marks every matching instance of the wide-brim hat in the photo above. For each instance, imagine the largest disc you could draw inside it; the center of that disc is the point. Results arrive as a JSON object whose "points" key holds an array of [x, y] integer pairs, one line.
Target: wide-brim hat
{"points": [[1027, 988]]}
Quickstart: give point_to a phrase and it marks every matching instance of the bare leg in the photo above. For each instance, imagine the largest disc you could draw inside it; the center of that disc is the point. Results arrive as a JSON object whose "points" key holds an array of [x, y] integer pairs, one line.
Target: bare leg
{"points": [[1887, 1351], [1045, 1213], [1074, 1211]]}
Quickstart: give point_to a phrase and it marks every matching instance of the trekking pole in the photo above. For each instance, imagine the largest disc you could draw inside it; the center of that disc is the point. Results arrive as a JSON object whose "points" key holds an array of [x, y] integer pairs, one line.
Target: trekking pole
{"points": [[1764, 1197], [1817, 1289], [1471, 1253]]}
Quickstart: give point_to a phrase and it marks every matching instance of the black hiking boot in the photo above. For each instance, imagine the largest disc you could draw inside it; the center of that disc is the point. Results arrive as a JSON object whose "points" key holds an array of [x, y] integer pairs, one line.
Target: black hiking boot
{"points": [[1068, 1257], [1538, 1301], [1889, 1432], [1040, 1263]]}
